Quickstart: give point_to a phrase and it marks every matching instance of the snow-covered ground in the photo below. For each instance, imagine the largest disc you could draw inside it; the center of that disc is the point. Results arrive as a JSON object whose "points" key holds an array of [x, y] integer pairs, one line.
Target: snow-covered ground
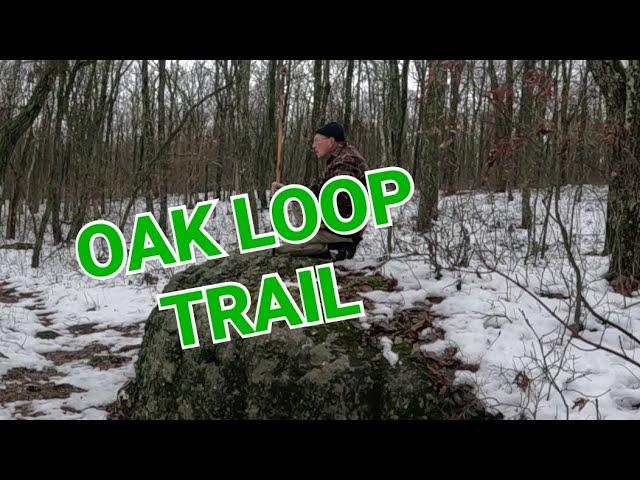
{"points": [[55, 310], [73, 340], [529, 366]]}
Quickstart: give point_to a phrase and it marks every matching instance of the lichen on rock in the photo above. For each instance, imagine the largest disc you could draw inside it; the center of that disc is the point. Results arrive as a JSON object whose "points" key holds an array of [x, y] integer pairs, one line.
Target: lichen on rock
{"points": [[329, 371]]}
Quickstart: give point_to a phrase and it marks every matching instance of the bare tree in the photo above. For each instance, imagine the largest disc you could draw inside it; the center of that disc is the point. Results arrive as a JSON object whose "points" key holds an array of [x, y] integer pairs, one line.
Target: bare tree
{"points": [[621, 89]]}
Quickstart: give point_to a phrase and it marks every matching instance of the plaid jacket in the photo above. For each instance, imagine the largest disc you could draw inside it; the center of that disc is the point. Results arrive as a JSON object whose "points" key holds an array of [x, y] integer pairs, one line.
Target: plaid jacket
{"points": [[344, 160]]}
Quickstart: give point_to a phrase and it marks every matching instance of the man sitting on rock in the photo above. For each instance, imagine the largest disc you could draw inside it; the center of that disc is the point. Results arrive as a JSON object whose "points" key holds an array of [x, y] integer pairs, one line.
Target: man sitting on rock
{"points": [[342, 159]]}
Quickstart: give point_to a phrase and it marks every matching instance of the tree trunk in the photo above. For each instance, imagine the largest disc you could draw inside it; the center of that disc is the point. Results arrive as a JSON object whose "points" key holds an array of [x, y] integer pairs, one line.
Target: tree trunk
{"points": [[348, 86], [525, 132], [610, 77], [268, 137], [54, 166], [11, 132], [449, 157], [621, 90], [431, 129], [147, 133], [310, 163], [163, 161]]}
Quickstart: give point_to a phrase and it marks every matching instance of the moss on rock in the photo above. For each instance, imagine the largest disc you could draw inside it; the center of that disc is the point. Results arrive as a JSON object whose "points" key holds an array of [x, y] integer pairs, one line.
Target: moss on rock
{"points": [[329, 371]]}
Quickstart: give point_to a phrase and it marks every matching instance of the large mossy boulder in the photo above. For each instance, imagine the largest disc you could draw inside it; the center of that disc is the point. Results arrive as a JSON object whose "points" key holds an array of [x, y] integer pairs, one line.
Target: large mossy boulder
{"points": [[329, 371]]}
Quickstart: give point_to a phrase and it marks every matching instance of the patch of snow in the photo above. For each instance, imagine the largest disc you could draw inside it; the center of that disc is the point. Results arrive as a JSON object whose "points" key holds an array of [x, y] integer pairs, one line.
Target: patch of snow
{"points": [[387, 353]]}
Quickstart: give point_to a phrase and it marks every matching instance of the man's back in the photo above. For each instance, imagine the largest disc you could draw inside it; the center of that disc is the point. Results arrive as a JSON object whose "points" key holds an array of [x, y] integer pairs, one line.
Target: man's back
{"points": [[344, 160]]}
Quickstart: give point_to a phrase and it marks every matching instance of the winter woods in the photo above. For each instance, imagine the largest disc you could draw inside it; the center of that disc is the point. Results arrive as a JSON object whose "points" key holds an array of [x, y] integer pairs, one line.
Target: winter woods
{"points": [[525, 170]]}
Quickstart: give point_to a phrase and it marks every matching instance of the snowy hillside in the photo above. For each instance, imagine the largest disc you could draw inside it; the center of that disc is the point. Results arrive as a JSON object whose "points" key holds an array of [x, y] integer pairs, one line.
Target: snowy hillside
{"points": [[68, 342]]}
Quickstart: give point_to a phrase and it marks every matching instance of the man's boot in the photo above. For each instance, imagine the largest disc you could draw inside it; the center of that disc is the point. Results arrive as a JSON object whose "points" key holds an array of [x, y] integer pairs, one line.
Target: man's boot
{"points": [[345, 250]]}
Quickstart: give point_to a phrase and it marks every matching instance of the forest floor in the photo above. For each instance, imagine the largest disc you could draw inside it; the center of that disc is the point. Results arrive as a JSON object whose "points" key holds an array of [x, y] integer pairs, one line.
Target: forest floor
{"points": [[68, 343]]}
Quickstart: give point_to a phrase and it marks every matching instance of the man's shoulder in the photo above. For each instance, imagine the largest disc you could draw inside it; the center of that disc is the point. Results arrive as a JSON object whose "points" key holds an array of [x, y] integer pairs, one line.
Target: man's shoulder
{"points": [[351, 154]]}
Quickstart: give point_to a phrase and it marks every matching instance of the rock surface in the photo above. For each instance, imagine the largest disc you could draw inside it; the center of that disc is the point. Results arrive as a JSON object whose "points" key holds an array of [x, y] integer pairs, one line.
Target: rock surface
{"points": [[330, 371]]}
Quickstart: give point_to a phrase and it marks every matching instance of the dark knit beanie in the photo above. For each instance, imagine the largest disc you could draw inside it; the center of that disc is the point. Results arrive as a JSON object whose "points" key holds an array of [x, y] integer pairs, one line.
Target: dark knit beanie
{"points": [[332, 129]]}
